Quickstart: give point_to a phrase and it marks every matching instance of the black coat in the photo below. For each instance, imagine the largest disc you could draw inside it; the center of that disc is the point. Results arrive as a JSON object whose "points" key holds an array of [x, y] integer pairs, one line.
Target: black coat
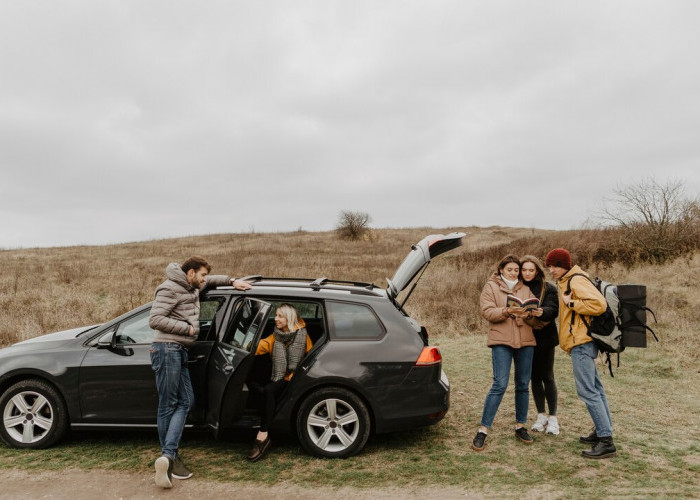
{"points": [[548, 336]]}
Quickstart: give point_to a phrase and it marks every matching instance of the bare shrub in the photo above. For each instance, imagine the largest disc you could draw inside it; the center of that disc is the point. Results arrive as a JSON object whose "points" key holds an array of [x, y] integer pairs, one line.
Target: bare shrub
{"points": [[353, 225], [659, 223]]}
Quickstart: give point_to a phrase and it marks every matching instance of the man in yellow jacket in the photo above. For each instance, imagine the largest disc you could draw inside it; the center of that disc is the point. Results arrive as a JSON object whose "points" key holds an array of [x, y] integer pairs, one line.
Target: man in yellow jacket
{"points": [[584, 299]]}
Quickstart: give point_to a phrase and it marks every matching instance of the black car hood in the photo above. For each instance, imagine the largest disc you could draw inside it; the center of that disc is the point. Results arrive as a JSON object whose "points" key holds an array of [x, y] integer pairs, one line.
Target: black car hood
{"points": [[62, 335], [419, 257]]}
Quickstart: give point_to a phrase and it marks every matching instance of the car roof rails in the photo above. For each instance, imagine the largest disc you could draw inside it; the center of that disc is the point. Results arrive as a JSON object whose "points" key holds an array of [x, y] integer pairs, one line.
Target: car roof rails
{"points": [[316, 284]]}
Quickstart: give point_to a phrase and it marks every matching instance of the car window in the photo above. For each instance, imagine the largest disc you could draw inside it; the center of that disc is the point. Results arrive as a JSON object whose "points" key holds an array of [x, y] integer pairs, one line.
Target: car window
{"points": [[311, 312], [135, 330], [244, 326], [208, 317], [353, 321], [306, 310]]}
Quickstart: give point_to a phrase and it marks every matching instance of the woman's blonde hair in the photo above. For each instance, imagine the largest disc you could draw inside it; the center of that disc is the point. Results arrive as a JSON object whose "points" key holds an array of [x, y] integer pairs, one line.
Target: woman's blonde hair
{"points": [[538, 266], [292, 316]]}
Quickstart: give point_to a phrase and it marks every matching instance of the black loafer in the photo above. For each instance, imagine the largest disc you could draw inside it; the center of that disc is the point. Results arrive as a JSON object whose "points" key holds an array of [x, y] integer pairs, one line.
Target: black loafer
{"points": [[522, 434], [259, 449], [479, 441]]}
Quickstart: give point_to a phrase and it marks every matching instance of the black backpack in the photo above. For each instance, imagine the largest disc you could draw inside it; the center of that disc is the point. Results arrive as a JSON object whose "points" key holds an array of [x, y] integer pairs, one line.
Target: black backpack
{"points": [[623, 324]]}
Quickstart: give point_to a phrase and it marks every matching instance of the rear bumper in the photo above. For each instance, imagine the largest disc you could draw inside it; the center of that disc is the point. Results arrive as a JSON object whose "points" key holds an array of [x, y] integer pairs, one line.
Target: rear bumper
{"points": [[422, 400]]}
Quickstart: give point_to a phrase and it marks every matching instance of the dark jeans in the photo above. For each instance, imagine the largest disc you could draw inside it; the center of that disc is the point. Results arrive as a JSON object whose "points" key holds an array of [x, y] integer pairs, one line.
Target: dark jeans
{"points": [[501, 358], [543, 385], [175, 395], [270, 393]]}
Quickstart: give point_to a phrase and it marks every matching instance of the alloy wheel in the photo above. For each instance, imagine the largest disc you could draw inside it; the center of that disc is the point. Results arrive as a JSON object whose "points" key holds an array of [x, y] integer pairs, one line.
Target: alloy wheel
{"points": [[27, 417]]}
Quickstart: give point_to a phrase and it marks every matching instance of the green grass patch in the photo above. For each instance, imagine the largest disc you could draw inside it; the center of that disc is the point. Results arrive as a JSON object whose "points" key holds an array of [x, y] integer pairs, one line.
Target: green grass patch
{"points": [[655, 414]]}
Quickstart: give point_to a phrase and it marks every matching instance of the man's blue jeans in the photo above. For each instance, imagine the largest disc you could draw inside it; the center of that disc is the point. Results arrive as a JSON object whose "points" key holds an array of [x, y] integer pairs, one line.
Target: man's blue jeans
{"points": [[501, 358], [175, 395], [589, 387]]}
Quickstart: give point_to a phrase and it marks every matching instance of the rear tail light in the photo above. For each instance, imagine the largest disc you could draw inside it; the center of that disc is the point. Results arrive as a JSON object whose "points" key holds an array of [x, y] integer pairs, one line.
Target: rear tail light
{"points": [[429, 356]]}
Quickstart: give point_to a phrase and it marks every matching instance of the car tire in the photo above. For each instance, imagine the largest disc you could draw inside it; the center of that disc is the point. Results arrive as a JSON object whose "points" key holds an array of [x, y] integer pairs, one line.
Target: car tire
{"points": [[33, 415], [333, 423]]}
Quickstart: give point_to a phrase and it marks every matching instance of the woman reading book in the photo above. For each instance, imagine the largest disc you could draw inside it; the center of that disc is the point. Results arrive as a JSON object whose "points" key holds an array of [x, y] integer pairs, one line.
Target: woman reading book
{"points": [[511, 341], [545, 329]]}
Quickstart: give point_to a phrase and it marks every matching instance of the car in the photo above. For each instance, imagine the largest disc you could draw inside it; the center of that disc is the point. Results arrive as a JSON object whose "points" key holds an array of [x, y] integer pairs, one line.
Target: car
{"points": [[371, 368]]}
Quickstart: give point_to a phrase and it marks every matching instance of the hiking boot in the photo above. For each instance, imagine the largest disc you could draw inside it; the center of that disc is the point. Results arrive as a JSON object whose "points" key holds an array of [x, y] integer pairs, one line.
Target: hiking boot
{"points": [[591, 438], [552, 425], [540, 424], [522, 435], [180, 470], [164, 471], [479, 441], [604, 448]]}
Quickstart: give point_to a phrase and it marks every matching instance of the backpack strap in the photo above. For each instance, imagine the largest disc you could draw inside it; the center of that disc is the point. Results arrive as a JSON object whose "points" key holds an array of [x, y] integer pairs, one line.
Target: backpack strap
{"points": [[608, 361], [647, 327], [573, 313]]}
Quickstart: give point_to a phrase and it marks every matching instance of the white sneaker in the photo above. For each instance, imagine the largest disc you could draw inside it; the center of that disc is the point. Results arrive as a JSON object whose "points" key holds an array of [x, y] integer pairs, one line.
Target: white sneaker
{"points": [[541, 422], [164, 470], [552, 425]]}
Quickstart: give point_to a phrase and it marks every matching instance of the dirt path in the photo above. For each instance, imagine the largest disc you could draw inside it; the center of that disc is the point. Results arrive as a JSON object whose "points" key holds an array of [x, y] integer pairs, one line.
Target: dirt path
{"points": [[77, 484]]}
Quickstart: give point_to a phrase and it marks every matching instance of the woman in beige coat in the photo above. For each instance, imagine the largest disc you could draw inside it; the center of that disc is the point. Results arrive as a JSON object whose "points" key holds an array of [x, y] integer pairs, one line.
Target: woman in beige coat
{"points": [[512, 342]]}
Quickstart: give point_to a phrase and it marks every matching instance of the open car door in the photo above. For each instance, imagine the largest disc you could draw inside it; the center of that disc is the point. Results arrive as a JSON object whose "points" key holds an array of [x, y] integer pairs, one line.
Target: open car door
{"points": [[418, 259], [230, 361]]}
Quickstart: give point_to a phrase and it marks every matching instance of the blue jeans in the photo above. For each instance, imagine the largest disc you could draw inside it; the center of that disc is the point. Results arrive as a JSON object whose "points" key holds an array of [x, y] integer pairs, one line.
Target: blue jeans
{"points": [[501, 358], [589, 387], [175, 395]]}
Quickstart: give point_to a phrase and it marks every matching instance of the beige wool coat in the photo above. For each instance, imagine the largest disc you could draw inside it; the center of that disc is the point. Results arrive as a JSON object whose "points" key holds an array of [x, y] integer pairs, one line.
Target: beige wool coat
{"points": [[504, 330]]}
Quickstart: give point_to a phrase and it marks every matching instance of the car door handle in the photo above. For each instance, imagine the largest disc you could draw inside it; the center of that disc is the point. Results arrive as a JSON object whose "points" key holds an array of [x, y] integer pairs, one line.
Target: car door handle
{"points": [[197, 358], [228, 369]]}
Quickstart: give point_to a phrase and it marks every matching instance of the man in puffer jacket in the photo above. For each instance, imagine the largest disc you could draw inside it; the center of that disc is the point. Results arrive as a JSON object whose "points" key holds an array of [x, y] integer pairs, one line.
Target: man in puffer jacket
{"points": [[583, 300], [175, 318]]}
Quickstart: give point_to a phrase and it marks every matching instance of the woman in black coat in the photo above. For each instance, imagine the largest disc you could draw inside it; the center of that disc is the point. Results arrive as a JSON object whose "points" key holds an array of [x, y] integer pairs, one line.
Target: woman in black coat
{"points": [[543, 385]]}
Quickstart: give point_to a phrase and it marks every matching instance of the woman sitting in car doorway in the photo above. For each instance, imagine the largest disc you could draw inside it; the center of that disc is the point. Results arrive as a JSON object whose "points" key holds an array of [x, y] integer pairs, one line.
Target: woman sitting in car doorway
{"points": [[287, 345]]}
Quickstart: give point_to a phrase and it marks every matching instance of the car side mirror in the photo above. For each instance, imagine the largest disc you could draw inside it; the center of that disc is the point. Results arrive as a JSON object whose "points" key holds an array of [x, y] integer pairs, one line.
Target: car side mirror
{"points": [[106, 341]]}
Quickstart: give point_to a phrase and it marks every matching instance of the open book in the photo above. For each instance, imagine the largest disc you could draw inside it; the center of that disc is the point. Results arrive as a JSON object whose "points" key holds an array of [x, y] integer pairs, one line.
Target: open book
{"points": [[528, 304]]}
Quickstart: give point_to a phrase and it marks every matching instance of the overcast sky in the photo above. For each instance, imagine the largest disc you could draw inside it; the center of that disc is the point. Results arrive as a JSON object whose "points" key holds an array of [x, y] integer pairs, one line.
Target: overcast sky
{"points": [[136, 120]]}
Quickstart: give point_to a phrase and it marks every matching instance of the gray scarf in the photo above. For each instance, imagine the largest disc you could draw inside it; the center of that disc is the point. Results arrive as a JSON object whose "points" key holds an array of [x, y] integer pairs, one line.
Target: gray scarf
{"points": [[287, 351]]}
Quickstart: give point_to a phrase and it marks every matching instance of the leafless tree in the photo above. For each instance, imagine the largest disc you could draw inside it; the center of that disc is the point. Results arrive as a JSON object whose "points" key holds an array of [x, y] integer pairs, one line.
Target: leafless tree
{"points": [[353, 225], [657, 219]]}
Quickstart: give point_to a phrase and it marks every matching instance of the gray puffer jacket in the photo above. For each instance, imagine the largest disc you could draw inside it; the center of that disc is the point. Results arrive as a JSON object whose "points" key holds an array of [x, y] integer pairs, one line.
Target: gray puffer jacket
{"points": [[176, 306]]}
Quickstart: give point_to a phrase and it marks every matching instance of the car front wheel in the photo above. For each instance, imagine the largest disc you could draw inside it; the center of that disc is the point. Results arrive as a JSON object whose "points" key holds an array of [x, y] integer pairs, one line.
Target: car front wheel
{"points": [[333, 422], [33, 415]]}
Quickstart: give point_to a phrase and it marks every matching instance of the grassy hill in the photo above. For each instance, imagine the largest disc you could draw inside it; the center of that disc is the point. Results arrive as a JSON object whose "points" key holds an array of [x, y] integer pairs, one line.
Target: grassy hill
{"points": [[653, 396]]}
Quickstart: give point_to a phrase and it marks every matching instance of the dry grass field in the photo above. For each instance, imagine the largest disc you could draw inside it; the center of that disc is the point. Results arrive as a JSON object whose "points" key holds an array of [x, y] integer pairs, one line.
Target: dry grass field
{"points": [[654, 395], [45, 290]]}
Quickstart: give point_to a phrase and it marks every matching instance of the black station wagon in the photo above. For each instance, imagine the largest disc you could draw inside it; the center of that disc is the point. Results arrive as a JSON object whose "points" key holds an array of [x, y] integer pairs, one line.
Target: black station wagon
{"points": [[371, 368]]}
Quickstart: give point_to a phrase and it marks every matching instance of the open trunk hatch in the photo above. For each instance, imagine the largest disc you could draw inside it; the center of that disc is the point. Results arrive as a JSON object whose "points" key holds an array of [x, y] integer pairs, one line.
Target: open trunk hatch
{"points": [[418, 259]]}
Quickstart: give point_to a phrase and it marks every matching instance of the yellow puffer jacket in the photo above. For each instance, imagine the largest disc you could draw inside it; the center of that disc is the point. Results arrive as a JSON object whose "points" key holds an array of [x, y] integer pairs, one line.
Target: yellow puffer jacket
{"points": [[585, 300]]}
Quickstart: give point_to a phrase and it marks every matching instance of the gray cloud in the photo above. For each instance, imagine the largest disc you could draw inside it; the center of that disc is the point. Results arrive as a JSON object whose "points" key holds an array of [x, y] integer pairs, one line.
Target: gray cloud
{"points": [[124, 121]]}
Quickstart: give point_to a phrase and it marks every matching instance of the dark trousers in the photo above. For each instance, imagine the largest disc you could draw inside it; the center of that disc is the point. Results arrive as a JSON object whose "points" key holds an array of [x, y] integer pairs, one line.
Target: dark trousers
{"points": [[543, 385], [270, 393]]}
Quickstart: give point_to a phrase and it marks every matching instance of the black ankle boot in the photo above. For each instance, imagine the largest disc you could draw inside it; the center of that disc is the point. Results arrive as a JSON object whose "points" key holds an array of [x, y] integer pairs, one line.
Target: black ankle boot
{"points": [[591, 439], [604, 448]]}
